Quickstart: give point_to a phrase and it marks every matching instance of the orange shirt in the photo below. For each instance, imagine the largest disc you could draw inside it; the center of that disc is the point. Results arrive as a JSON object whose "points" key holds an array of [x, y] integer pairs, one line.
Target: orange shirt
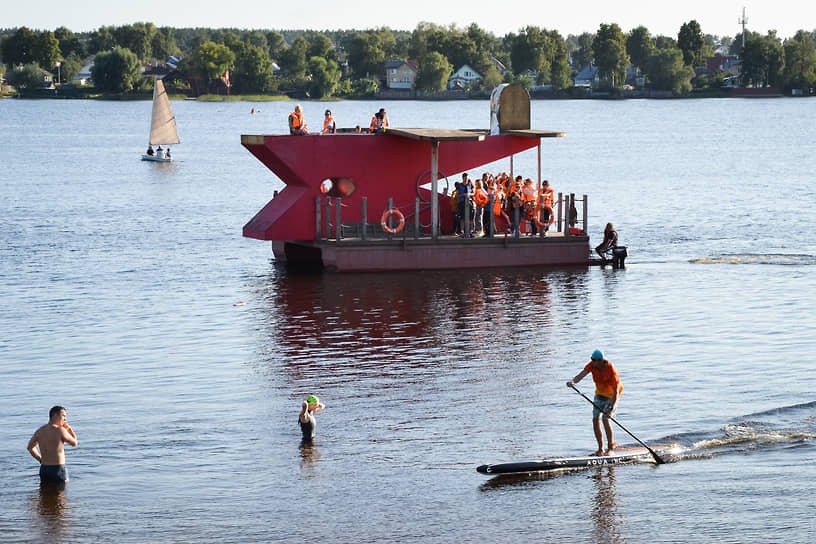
{"points": [[606, 379]]}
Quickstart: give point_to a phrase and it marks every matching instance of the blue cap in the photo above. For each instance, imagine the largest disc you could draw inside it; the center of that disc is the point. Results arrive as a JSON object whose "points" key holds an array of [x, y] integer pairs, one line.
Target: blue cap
{"points": [[597, 354]]}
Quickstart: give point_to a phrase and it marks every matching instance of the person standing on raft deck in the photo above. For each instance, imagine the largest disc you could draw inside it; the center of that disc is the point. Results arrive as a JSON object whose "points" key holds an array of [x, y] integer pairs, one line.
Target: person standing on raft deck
{"points": [[307, 420], [608, 389]]}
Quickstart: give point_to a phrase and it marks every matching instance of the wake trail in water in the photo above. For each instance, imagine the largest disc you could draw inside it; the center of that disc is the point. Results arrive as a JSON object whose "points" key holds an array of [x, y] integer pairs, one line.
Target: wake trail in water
{"points": [[788, 426], [772, 258]]}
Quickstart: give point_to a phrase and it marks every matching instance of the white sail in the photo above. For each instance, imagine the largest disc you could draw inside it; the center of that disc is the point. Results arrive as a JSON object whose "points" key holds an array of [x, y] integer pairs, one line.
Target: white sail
{"points": [[163, 124]]}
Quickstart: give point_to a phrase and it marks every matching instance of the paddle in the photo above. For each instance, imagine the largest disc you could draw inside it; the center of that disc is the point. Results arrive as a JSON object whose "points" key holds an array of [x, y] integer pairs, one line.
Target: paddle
{"points": [[657, 458]]}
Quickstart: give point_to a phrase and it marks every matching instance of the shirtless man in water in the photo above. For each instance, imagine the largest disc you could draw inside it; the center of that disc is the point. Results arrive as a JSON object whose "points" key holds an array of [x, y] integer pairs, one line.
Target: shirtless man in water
{"points": [[46, 446]]}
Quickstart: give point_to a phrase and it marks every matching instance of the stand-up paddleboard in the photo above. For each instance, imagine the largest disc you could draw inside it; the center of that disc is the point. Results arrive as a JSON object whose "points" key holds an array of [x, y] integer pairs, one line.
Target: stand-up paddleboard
{"points": [[621, 456]]}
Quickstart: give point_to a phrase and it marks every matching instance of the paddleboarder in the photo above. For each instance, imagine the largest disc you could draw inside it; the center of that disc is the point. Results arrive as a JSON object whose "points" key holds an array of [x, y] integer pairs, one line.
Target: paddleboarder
{"points": [[608, 389], [307, 420]]}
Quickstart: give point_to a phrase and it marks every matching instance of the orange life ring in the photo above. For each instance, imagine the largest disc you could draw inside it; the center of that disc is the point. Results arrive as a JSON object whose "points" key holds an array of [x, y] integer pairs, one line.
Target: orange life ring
{"points": [[387, 215], [538, 220]]}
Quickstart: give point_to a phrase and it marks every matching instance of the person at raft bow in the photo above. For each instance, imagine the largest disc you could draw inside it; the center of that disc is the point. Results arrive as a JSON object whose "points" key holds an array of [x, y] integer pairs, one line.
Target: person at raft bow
{"points": [[307, 420], [329, 126], [379, 122], [608, 389], [297, 126]]}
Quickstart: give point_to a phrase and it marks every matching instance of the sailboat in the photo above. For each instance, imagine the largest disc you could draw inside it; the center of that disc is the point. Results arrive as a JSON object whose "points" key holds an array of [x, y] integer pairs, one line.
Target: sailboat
{"points": [[162, 125]]}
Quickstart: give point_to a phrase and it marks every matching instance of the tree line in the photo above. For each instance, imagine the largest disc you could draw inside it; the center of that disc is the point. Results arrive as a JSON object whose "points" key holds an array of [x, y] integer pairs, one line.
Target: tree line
{"points": [[352, 63]]}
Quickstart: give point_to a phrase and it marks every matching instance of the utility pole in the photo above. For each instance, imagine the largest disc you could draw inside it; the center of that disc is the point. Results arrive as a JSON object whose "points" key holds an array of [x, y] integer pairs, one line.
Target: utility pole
{"points": [[743, 21]]}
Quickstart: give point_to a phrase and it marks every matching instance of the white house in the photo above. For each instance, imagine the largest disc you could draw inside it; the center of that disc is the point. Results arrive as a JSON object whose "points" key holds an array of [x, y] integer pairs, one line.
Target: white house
{"points": [[588, 77], [84, 75], [463, 77]]}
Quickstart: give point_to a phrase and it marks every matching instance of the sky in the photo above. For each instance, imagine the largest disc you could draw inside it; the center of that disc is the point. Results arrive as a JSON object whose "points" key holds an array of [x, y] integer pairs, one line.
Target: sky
{"points": [[717, 17]]}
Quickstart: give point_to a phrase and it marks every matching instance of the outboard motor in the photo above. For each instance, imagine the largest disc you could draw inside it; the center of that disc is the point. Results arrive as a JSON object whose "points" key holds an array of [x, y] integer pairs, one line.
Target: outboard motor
{"points": [[619, 255]]}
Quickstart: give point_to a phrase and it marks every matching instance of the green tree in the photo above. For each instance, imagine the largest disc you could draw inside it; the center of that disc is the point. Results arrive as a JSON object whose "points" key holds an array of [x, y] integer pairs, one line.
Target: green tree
{"points": [[27, 76], [485, 43], [664, 42], [163, 44], [211, 60], [137, 37], [532, 49], [252, 71], [367, 55], [583, 55], [116, 71], [690, 40], [19, 48], [560, 74], [639, 46], [277, 45], [763, 61], [609, 48], [800, 61], [293, 61], [433, 73], [668, 71], [491, 79], [325, 77], [320, 46], [46, 49], [69, 43], [71, 65], [101, 40], [365, 87]]}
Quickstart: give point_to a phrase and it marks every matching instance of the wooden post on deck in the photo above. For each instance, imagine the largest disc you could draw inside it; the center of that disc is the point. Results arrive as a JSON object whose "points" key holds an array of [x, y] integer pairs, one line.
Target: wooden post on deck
{"points": [[417, 223], [585, 215], [317, 218], [491, 224], [338, 222], [466, 226], [328, 217], [567, 208], [364, 232], [560, 206], [538, 187], [434, 189]]}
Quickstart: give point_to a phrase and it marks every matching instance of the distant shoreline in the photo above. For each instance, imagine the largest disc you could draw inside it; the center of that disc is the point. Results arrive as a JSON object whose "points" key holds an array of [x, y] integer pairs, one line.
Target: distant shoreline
{"points": [[91, 94]]}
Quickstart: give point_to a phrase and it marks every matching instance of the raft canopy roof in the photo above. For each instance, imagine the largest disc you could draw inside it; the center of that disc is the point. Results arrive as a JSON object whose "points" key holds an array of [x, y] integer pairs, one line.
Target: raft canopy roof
{"points": [[453, 135]]}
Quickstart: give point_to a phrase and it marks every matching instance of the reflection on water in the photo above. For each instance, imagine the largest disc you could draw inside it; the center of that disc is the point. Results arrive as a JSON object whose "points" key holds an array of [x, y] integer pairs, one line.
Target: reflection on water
{"points": [[49, 510], [607, 521], [310, 455], [308, 318]]}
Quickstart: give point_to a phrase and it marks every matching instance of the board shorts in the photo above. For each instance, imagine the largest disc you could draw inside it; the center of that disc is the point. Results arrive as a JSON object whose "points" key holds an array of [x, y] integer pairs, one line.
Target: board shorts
{"points": [[601, 404], [53, 473]]}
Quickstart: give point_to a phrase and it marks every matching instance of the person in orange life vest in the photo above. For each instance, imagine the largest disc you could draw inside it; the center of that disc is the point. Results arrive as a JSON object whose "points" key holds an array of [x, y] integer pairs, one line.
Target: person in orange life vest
{"points": [[379, 122], [499, 204], [546, 197], [608, 389], [528, 197], [329, 126], [296, 124]]}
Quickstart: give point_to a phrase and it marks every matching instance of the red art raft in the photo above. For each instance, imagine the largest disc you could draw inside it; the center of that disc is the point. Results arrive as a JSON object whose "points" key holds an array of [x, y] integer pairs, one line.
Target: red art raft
{"points": [[346, 194]]}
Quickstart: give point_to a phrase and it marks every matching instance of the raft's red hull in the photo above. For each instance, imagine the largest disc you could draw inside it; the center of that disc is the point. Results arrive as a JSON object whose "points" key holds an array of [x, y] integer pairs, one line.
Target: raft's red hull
{"points": [[383, 166]]}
